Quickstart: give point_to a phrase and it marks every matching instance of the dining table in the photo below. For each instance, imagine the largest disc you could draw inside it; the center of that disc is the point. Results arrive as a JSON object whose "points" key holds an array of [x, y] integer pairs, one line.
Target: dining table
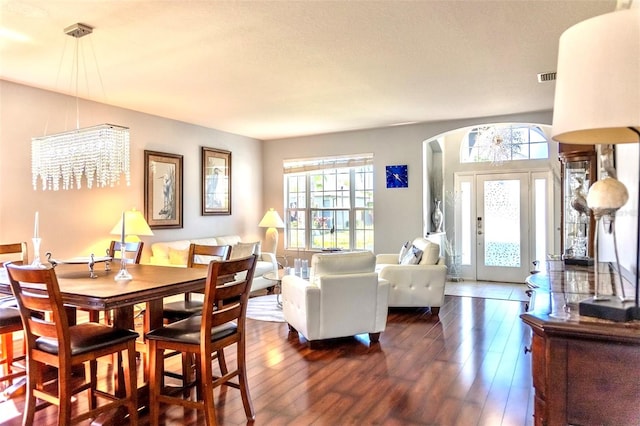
{"points": [[149, 285]]}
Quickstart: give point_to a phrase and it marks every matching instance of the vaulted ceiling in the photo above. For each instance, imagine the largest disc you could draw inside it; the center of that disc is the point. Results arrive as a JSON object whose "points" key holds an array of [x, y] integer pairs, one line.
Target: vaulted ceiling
{"points": [[274, 69]]}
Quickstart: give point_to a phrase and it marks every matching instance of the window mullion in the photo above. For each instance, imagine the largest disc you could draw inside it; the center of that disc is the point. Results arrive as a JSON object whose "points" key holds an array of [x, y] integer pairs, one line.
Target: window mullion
{"points": [[352, 208], [307, 212]]}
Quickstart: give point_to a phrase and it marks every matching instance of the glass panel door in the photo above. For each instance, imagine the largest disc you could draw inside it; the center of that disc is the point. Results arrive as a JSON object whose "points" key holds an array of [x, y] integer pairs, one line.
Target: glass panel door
{"points": [[501, 226]]}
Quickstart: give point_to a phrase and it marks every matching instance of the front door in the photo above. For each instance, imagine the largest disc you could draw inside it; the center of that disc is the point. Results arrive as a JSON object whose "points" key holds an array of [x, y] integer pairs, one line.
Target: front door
{"points": [[501, 225]]}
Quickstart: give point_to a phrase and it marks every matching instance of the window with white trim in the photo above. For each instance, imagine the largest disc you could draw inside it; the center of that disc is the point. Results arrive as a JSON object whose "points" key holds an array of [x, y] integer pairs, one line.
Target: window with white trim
{"points": [[329, 203]]}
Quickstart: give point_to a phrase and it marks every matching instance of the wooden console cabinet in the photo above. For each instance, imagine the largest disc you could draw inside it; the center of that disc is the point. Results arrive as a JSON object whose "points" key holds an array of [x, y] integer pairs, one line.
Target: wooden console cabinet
{"points": [[586, 371]]}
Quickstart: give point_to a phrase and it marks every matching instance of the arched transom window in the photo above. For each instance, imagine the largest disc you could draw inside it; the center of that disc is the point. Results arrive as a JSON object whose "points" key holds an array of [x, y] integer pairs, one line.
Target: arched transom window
{"points": [[504, 142]]}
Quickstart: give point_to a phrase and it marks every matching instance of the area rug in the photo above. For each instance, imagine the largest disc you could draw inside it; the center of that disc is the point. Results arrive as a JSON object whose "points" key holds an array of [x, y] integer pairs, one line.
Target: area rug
{"points": [[265, 308]]}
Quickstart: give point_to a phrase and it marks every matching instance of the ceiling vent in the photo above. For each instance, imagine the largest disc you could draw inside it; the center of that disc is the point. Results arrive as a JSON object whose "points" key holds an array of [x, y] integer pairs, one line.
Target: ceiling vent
{"points": [[546, 76]]}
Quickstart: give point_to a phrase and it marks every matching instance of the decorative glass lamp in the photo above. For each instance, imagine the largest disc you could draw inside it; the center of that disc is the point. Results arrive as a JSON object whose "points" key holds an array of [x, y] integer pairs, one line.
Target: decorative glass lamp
{"points": [[605, 198]]}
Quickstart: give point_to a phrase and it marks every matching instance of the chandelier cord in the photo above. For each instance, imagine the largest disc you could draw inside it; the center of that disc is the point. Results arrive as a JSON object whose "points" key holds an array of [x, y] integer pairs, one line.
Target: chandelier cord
{"points": [[74, 84], [95, 61], [76, 64], [57, 84]]}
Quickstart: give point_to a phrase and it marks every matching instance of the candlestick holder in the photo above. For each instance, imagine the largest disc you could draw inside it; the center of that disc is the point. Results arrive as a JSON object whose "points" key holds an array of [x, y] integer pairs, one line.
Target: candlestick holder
{"points": [[123, 274], [36, 254]]}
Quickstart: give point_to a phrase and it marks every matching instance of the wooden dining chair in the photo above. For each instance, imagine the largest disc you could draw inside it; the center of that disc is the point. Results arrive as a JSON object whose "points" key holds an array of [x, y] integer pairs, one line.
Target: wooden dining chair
{"points": [[14, 252], [51, 341], [132, 250], [199, 257], [10, 321], [221, 323]]}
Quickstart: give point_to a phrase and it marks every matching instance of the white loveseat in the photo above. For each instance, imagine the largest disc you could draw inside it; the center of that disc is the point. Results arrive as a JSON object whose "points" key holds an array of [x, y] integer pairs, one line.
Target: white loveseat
{"points": [[415, 285], [174, 253], [343, 297]]}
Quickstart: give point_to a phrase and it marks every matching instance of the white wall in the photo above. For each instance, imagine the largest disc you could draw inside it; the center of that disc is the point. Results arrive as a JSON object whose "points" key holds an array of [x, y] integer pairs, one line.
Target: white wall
{"points": [[78, 222], [626, 219], [398, 212]]}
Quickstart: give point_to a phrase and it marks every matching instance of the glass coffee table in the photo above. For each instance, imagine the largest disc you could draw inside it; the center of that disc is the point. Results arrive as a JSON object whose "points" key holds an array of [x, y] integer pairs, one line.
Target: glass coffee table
{"points": [[276, 277]]}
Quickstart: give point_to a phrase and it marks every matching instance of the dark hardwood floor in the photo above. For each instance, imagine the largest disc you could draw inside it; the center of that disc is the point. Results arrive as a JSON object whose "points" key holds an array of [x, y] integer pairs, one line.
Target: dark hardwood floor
{"points": [[466, 368]]}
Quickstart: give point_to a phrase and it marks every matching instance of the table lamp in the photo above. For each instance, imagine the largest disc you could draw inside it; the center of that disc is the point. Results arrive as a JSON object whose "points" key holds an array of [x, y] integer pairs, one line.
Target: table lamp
{"points": [[271, 221], [597, 101], [134, 225]]}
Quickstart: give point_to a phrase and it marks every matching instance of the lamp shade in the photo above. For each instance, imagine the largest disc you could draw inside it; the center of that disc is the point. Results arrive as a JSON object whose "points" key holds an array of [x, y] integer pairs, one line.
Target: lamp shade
{"points": [[597, 98], [271, 219], [134, 224]]}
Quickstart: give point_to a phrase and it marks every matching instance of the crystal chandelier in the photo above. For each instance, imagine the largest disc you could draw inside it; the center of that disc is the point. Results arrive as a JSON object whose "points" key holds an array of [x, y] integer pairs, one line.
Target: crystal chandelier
{"points": [[100, 153]]}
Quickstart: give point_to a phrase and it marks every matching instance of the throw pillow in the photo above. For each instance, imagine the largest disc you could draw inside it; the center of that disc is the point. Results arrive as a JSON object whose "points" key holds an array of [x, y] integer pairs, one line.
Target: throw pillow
{"points": [[412, 257], [403, 250], [431, 254], [242, 250], [178, 257]]}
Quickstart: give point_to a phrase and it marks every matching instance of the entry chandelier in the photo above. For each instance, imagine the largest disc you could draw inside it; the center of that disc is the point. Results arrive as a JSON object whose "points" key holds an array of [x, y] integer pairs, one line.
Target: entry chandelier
{"points": [[497, 143], [100, 153]]}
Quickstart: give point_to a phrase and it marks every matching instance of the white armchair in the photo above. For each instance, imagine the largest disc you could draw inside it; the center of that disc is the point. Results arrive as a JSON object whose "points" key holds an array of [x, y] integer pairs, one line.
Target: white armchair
{"points": [[343, 297], [415, 285]]}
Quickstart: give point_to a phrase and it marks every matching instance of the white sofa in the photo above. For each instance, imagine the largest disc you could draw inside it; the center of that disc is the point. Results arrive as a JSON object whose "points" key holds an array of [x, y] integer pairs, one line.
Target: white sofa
{"points": [[174, 253], [343, 297], [415, 285]]}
